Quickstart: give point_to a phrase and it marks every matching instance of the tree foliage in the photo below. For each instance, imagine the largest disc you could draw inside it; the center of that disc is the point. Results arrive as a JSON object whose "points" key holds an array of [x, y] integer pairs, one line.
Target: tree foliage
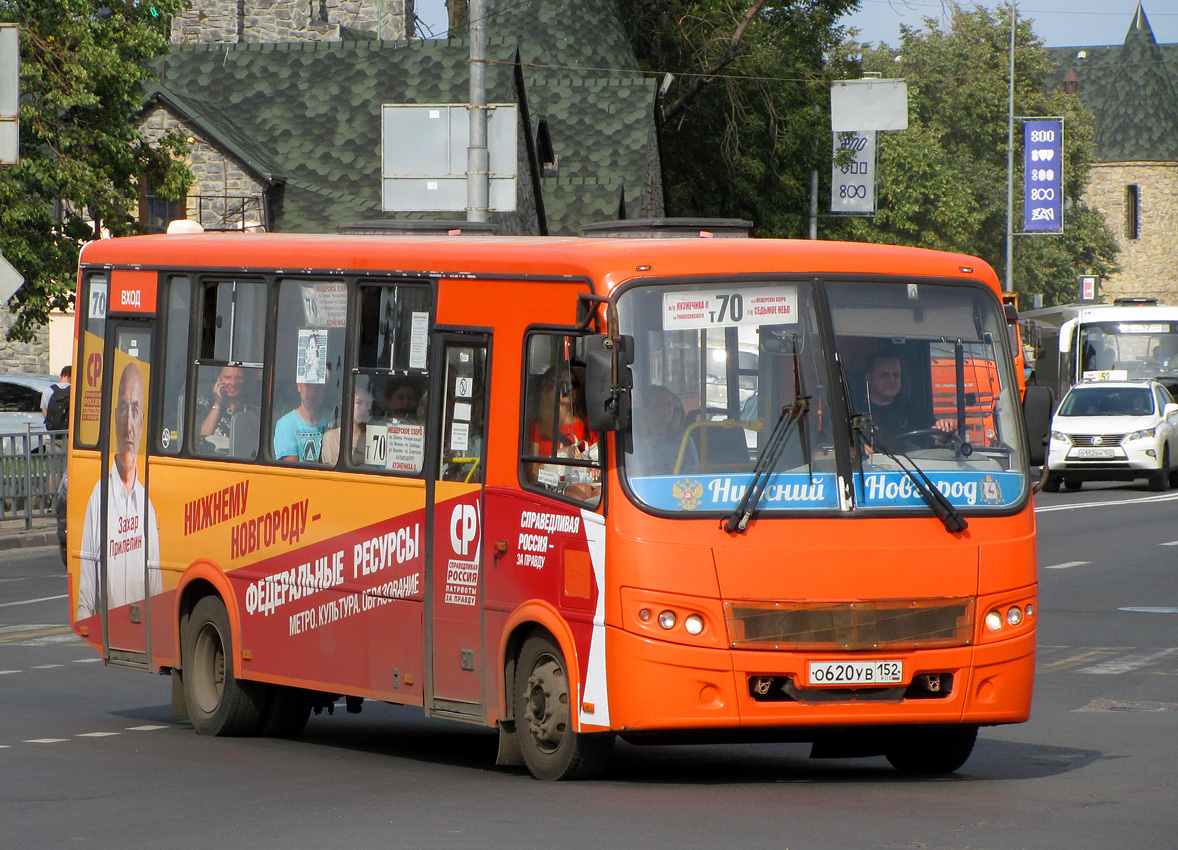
{"points": [[746, 117], [943, 182], [84, 66]]}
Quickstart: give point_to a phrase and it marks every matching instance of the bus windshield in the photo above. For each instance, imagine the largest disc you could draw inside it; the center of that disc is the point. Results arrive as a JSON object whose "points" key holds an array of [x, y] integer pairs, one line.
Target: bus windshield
{"points": [[1128, 350], [726, 373]]}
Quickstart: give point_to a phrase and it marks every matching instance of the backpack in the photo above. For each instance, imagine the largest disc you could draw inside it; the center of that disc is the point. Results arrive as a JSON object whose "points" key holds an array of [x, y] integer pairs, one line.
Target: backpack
{"points": [[57, 412]]}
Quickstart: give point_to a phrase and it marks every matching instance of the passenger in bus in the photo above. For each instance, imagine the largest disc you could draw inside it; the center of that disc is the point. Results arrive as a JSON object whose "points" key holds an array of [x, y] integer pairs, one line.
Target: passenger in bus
{"points": [[299, 434], [659, 421], [132, 537], [228, 399], [361, 413], [401, 400], [561, 429], [893, 412]]}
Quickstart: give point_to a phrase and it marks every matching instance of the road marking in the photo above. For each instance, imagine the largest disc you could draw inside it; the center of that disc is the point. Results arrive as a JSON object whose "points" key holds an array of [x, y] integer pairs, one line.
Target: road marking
{"points": [[1075, 506], [46, 666], [144, 728], [1067, 565], [31, 601], [1129, 663], [86, 660], [1171, 543], [38, 635], [1083, 658], [6, 672], [1151, 610], [97, 734], [46, 740], [1116, 705]]}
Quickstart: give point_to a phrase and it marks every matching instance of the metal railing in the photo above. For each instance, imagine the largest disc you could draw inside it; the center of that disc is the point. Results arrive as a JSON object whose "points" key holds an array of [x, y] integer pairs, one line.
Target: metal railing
{"points": [[31, 468]]}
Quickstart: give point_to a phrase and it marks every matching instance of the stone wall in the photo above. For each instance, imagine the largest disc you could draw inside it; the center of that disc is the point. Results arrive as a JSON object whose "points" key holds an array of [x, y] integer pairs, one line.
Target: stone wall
{"points": [[1149, 264], [23, 356], [223, 195], [233, 21]]}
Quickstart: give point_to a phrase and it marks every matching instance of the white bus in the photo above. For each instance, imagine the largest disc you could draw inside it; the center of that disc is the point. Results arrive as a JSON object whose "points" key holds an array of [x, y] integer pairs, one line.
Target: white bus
{"points": [[1131, 338]]}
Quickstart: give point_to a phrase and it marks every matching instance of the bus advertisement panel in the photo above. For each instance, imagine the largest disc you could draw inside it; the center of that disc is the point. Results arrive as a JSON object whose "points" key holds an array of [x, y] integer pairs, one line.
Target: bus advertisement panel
{"points": [[765, 488]]}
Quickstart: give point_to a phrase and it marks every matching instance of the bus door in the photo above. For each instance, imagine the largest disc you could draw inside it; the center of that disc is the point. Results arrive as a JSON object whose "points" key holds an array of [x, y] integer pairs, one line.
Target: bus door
{"points": [[128, 551], [454, 523]]}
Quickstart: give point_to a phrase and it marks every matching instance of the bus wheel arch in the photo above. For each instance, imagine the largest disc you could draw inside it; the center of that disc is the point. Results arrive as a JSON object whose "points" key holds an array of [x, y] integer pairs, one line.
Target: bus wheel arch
{"points": [[545, 712]]}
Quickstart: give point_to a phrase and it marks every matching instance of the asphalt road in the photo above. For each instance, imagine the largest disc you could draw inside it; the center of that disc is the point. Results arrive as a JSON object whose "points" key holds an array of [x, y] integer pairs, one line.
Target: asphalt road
{"points": [[91, 756]]}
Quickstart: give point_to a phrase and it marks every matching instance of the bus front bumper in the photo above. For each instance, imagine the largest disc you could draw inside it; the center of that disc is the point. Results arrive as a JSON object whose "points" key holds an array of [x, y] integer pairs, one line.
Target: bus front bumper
{"points": [[673, 687]]}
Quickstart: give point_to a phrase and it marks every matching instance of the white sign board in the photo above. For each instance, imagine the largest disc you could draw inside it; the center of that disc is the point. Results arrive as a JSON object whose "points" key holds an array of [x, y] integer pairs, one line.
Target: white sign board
{"points": [[10, 280], [852, 186], [424, 156], [869, 104], [730, 307], [9, 93]]}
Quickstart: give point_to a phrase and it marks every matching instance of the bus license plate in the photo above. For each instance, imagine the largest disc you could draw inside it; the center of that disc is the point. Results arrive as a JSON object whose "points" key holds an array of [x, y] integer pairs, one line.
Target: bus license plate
{"points": [[856, 672], [1096, 453]]}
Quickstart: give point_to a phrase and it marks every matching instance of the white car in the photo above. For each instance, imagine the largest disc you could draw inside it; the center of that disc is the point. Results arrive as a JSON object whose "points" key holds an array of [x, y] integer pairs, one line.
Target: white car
{"points": [[1114, 431]]}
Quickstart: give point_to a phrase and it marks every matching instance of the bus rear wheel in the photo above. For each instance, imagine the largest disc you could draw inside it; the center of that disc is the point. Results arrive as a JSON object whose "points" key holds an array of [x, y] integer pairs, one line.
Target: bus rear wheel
{"points": [[552, 750], [218, 702], [928, 750]]}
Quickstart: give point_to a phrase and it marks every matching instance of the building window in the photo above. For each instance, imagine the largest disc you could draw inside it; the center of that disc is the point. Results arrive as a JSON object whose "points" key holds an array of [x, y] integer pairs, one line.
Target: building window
{"points": [[1132, 206]]}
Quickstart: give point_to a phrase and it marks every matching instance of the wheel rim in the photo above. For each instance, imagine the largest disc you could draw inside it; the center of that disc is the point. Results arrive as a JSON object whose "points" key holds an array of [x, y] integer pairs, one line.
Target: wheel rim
{"points": [[546, 706], [208, 669]]}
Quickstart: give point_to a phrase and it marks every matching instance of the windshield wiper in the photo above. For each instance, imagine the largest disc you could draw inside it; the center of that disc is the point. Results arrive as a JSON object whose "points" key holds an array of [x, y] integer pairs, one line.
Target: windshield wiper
{"points": [[944, 510], [790, 416]]}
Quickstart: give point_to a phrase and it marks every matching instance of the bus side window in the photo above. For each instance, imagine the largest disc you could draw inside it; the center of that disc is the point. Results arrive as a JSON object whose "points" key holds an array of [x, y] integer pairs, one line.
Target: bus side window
{"points": [[555, 430], [177, 316], [389, 384], [308, 363], [226, 405]]}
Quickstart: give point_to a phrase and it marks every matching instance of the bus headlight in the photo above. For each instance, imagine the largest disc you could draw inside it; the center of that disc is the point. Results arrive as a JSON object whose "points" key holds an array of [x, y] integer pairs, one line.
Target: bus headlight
{"points": [[667, 620], [694, 624], [1015, 615], [994, 621]]}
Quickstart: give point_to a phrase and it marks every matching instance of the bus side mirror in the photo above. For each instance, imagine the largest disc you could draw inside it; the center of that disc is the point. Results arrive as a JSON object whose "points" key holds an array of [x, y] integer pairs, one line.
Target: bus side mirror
{"points": [[607, 404]]}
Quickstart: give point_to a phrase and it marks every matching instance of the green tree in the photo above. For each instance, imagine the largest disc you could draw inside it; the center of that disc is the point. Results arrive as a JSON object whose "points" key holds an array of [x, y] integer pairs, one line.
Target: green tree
{"points": [[746, 117], [84, 66], [942, 183]]}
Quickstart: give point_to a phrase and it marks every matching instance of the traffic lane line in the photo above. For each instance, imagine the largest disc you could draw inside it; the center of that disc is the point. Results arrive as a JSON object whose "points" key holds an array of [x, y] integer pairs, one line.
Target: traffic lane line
{"points": [[1067, 565]]}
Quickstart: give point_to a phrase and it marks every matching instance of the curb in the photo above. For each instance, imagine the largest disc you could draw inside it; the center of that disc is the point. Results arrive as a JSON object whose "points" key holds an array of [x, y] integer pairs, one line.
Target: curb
{"points": [[28, 539]]}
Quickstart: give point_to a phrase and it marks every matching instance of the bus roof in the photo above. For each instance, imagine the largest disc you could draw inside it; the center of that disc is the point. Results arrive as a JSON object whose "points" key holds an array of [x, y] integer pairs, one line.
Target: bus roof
{"points": [[607, 260], [1103, 313]]}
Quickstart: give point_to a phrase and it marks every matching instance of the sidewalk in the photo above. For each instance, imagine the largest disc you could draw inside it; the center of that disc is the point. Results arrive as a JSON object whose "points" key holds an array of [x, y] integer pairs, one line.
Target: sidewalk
{"points": [[14, 535]]}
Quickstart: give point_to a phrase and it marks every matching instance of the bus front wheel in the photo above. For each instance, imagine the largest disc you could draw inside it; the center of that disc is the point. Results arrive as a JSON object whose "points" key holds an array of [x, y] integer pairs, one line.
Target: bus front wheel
{"points": [[930, 750], [543, 716], [218, 703]]}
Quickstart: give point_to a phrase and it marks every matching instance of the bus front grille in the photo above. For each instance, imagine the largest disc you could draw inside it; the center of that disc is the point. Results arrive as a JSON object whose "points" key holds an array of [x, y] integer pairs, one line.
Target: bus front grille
{"points": [[887, 624]]}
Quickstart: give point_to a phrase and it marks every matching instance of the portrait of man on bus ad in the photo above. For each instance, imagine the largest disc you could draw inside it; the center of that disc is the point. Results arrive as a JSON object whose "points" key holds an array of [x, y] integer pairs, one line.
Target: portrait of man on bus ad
{"points": [[131, 541]]}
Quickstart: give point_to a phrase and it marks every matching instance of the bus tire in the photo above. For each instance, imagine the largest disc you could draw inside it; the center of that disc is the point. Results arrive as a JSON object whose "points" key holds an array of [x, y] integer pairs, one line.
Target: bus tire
{"points": [[552, 750], [929, 750], [218, 702], [287, 712]]}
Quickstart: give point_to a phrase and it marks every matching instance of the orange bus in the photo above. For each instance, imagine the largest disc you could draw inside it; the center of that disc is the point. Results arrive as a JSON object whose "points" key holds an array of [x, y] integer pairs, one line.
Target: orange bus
{"points": [[568, 488]]}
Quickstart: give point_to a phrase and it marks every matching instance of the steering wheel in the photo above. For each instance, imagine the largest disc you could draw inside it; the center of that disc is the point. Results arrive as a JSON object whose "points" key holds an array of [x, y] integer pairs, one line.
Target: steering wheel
{"points": [[925, 438]]}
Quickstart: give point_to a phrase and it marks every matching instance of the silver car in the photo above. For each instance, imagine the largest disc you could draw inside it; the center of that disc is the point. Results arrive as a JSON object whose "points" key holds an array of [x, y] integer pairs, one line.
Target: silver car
{"points": [[20, 401]]}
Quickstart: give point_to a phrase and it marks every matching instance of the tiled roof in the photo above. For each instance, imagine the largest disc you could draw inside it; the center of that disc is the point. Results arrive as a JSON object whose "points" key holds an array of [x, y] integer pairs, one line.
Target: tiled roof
{"points": [[1133, 91], [310, 112]]}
